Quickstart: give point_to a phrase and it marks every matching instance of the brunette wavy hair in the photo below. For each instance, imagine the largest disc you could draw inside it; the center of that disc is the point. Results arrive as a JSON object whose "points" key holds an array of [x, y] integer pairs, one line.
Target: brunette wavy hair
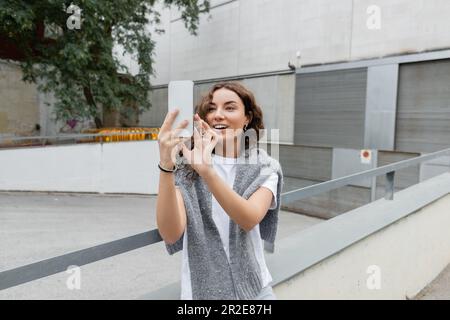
{"points": [[252, 109]]}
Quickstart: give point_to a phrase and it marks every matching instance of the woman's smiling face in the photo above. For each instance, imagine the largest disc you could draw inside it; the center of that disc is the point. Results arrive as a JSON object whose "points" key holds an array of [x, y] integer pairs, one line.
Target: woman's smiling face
{"points": [[226, 114]]}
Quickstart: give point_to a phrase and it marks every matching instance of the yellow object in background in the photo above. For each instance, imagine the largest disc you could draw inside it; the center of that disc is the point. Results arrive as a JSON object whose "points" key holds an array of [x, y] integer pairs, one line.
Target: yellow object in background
{"points": [[123, 134]]}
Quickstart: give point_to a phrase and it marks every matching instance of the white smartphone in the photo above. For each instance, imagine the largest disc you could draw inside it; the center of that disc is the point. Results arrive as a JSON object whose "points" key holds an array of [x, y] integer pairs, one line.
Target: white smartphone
{"points": [[181, 96]]}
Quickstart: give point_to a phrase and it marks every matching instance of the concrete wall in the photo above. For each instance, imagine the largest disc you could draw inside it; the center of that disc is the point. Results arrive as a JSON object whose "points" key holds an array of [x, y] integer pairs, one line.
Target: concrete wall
{"points": [[22, 106], [154, 117], [19, 110], [126, 167], [407, 255], [252, 36]]}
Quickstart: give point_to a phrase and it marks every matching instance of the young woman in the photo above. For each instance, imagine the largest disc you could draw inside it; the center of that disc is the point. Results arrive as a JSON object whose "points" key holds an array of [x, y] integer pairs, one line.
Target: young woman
{"points": [[219, 197]]}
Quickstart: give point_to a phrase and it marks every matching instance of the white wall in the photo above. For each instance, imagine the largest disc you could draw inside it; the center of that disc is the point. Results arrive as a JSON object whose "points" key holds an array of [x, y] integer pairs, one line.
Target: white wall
{"points": [[250, 36], [123, 167], [406, 26], [410, 254], [19, 112]]}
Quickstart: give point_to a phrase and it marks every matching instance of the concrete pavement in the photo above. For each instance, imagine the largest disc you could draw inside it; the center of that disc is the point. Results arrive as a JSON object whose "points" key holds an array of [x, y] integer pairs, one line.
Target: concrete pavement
{"points": [[438, 289], [38, 226]]}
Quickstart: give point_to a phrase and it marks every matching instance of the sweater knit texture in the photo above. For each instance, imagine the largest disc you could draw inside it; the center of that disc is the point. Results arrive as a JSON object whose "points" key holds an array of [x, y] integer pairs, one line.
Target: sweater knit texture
{"points": [[213, 276]]}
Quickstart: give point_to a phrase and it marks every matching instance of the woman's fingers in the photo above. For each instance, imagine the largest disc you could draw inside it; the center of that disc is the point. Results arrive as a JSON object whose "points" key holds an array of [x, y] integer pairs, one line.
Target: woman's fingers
{"points": [[186, 152], [206, 125], [212, 140], [197, 137], [183, 124], [174, 138], [211, 134], [180, 128], [204, 136], [166, 134], [208, 128]]}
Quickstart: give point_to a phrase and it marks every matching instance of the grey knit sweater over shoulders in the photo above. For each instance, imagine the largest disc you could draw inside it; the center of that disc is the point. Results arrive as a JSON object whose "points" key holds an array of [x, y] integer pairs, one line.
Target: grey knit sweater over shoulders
{"points": [[213, 276]]}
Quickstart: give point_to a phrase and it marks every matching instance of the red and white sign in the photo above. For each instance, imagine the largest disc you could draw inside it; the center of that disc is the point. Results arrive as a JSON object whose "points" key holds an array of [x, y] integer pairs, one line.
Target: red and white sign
{"points": [[366, 156]]}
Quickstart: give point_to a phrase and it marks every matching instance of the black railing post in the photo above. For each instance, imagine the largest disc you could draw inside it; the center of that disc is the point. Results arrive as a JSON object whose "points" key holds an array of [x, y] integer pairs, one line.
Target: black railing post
{"points": [[389, 194]]}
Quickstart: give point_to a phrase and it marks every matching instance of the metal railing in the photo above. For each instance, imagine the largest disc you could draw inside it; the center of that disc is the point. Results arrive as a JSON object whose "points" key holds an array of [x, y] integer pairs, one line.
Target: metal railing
{"points": [[388, 170], [44, 268]]}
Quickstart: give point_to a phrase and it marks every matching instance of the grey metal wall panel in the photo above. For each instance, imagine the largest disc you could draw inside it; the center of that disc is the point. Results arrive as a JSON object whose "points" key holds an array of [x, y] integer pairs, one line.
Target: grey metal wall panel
{"points": [[330, 108], [348, 161], [381, 105], [432, 168], [265, 92], [154, 117], [275, 96], [404, 178], [305, 166], [201, 90], [326, 205], [306, 162], [286, 107], [423, 112]]}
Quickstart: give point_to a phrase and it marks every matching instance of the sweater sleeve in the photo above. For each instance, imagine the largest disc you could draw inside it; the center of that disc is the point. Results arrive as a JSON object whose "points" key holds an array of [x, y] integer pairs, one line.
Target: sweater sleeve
{"points": [[268, 226], [175, 247]]}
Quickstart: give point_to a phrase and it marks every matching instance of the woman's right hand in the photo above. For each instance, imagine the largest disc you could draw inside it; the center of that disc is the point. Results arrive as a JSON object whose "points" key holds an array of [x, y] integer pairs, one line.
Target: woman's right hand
{"points": [[168, 140]]}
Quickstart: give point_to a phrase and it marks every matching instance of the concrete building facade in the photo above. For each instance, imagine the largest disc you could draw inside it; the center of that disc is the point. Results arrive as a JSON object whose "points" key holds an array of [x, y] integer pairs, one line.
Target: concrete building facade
{"points": [[243, 37], [246, 39], [368, 74]]}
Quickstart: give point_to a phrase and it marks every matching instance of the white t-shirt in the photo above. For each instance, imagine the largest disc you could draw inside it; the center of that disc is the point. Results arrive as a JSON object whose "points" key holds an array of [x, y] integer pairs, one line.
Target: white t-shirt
{"points": [[226, 169]]}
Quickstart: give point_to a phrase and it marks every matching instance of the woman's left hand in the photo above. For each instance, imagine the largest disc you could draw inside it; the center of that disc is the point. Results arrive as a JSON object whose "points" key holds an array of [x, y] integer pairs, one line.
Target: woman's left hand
{"points": [[205, 141]]}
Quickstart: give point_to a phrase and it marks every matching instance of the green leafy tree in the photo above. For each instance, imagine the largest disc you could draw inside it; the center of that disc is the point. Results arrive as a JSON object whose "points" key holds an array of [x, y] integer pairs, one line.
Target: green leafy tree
{"points": [[72, 51]]}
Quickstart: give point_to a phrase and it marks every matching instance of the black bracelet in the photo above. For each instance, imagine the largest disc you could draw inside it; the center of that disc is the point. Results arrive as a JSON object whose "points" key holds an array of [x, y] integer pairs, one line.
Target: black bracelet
{"points": [[166, 170]]}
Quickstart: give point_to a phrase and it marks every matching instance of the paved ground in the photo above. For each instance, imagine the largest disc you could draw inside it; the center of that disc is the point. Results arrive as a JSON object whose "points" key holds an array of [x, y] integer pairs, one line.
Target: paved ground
{"points": [[38, 226], [439, 289]]}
